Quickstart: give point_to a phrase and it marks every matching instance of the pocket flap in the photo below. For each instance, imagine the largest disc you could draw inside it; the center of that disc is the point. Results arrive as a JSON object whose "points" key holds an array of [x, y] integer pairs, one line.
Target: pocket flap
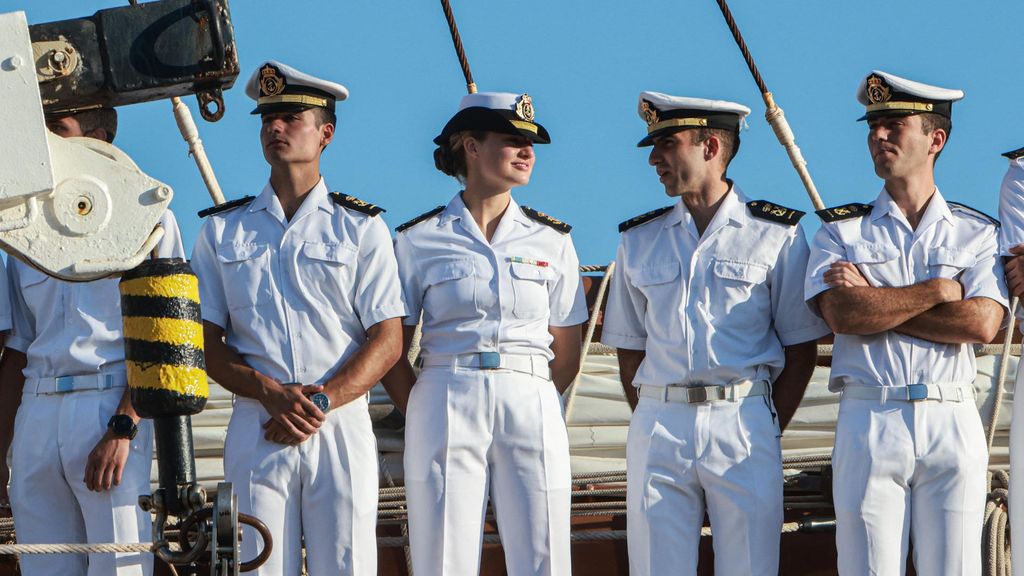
{"points": [[337, 253], [742, 271], [448, 270], [951, 257], [239, 252], [867, 253], [656, 274], [526, 271]]}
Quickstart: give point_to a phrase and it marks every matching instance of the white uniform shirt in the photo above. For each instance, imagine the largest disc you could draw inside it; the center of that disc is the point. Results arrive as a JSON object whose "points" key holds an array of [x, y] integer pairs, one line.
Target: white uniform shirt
{"points": [[475, 296], [950, 242], [295, 298], [1011, 207], [714, 309], [1011, 213], [73, 328]]}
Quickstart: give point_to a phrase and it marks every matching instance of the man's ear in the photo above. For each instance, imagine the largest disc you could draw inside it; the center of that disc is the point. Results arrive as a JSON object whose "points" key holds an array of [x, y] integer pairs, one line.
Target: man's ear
{"points": [[326, 134], [712, 147]]}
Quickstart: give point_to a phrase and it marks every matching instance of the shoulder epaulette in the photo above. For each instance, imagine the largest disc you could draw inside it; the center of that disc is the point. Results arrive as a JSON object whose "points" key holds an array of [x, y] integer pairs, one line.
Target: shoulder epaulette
{"points": [[1014, 154], [972, 211], [422, 217], [844, 212], [353, 203], [546, 220], [643, 218], [767, 211], [225, 206]]}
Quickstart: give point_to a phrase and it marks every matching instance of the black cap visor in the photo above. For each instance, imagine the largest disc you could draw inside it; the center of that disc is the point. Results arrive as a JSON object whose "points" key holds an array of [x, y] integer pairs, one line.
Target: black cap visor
{"points": [[490, 120]]}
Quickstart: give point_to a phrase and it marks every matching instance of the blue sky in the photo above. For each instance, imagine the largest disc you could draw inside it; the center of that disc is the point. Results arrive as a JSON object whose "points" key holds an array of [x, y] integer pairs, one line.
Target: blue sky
{"points": [[584, 63]]}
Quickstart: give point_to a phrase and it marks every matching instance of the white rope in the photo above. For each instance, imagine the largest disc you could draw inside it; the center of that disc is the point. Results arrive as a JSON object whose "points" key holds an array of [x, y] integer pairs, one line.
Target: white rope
{"points": [[1004, 366], [777, 119], [570, 400], [190, 133], [9, 549]]}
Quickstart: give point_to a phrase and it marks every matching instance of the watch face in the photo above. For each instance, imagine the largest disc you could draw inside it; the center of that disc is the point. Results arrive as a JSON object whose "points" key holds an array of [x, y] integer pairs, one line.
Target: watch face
{"points": [[123, 426], [321, 401]]}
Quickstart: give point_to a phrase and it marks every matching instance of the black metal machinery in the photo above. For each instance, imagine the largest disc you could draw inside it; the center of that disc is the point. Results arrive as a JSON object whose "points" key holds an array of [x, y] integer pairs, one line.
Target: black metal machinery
{"points": [[138, 53]]}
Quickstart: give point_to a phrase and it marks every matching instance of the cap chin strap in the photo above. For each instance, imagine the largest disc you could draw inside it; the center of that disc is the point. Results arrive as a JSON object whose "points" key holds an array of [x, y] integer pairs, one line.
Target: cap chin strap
{"points": [[528, 126], [677, 122], [911, 106], [293, 99]]}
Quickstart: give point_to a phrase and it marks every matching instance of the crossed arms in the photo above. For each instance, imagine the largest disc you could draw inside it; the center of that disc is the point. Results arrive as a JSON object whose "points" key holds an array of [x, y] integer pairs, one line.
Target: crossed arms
{"points": [[933, 310]]}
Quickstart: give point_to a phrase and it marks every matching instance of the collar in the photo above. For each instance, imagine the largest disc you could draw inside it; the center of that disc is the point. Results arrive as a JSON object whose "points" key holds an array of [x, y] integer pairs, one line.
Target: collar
{"points": [[936, 210], [317, 198], [456, 210], [730, 210]]}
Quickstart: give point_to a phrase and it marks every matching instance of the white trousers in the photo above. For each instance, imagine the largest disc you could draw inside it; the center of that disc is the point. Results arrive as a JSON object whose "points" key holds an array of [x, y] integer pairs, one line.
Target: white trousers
{"points": [[53, 436], [683, 459], [322, 492], [472, 432], [909, 470]]}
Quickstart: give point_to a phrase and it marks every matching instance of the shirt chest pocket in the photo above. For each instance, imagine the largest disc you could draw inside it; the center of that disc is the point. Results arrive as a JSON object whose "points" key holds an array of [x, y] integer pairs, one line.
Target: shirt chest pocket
{"points": [[948, 263], [449, 289], [878, 263], [247, 274], [734, 287], [530, 289], [659, 283], [326, 271]]}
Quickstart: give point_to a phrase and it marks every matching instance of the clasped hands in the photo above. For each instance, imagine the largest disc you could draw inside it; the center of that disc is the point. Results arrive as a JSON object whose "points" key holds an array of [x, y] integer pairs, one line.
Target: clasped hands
{"points": [[293, 416]]}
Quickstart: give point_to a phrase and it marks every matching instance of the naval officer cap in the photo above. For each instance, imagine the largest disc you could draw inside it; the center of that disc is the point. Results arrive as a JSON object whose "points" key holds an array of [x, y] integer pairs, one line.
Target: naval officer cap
{"points": [[884, 94], [278, 87], [666, 114], [502, 112]]}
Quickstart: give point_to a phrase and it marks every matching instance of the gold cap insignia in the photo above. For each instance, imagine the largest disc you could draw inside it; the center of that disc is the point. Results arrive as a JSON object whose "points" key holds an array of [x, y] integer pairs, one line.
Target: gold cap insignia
{"points": [[878, 91], [271, 81], [649, 112], [524, 108]]}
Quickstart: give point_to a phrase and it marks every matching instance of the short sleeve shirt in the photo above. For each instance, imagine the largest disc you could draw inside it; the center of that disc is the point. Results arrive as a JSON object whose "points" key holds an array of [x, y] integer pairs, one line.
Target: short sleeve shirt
{"points": [[716, 308], [73, 328], [1011, 207], [951, 241], [497, 296], [295, 297]]}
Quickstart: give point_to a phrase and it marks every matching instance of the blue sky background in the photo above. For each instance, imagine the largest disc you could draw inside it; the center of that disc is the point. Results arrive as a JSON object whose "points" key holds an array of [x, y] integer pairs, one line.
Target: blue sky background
{"points": [[584, 63]]}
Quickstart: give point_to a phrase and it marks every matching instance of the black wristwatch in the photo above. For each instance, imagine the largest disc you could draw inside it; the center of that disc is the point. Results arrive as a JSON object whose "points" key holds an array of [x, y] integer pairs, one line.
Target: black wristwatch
{"points": [[123, 426]]}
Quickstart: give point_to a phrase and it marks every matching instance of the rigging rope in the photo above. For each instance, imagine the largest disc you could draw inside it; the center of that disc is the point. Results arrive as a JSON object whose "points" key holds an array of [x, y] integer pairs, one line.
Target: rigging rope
{"points": [[459, 50], [774, 114]]}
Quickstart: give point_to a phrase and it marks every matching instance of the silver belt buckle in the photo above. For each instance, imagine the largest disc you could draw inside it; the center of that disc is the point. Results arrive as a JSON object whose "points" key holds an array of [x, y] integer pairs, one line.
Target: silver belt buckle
{"points": [[64, 384], [917, 392], [489, 360], [700, 394]]}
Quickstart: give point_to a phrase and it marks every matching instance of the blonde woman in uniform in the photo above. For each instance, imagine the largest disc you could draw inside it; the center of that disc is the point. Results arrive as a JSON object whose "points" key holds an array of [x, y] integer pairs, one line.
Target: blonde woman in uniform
{"points": [[499, 290]]}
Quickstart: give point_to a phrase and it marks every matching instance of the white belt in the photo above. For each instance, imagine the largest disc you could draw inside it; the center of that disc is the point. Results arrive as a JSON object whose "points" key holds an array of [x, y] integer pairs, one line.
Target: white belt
{"points": [[700, 394], [65, 384], [913, 393], [534, 364]]}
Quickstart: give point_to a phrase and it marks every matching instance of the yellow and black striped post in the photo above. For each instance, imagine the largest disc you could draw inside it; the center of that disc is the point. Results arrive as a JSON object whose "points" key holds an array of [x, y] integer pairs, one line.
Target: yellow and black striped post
{"points": [[163, 338], [163, 345]]}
